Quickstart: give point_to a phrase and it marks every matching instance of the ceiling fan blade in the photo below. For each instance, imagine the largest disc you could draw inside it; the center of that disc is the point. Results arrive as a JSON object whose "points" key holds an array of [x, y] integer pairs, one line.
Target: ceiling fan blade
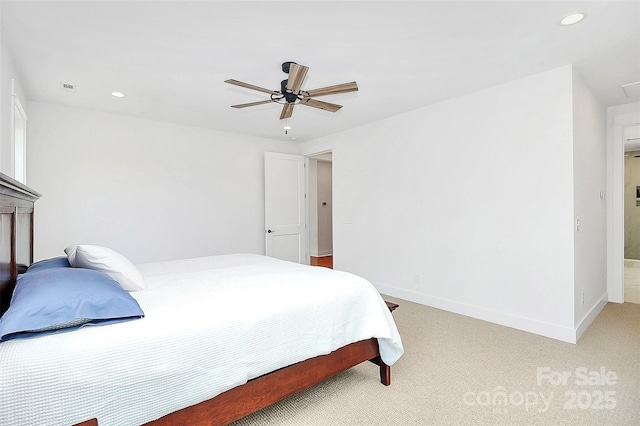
{"points": [[252, 104], [287, 111], [297, 74], [320, 104], [251, 86], [332, 90]]}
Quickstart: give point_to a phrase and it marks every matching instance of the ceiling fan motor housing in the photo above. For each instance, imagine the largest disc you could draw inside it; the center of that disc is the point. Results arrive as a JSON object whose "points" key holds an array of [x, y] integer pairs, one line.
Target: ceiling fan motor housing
{"points": [[290, 97]]}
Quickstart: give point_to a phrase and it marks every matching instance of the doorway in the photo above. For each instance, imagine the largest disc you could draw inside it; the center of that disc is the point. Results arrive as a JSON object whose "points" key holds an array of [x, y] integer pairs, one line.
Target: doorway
{"points": [[619, 118], [321, 209]]}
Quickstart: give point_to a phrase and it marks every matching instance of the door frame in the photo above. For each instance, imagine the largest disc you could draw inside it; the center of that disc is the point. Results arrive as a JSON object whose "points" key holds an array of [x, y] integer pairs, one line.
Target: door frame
{"points": [[618, 118]]}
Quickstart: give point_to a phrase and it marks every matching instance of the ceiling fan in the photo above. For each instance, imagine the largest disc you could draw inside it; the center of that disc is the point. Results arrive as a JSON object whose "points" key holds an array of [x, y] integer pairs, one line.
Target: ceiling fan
{"points": [[291, 94]]}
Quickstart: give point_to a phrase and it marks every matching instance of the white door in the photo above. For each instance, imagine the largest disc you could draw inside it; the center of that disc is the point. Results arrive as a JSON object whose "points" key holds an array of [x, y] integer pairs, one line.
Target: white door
{"points": [[285, 212]]}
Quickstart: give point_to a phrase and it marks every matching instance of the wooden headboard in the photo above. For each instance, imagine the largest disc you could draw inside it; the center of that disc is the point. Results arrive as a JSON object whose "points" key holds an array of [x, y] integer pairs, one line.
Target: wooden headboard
{"points": [[16, 234]]}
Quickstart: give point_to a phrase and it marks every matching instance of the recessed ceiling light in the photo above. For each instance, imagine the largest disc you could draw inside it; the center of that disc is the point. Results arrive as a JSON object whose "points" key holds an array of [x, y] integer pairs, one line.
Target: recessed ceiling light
{"points": [[287, 127], [117, 94], [573, 18]]}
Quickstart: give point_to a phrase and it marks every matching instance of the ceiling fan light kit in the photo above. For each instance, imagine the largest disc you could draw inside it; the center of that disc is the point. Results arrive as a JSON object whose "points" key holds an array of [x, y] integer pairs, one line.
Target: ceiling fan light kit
{"points": [[291, 94]]}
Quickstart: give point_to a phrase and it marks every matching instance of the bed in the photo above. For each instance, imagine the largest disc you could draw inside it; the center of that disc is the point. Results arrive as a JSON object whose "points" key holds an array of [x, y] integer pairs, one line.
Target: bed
{"points": [[221, 337]]}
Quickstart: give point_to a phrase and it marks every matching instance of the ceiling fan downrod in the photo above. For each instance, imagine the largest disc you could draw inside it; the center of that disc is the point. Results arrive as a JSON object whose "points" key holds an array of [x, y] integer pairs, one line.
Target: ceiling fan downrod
{"points": [[286, 66]]}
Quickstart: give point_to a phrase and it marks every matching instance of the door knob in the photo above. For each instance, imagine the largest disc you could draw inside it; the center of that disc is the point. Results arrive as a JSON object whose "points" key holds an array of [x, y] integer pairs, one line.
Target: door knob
{"points": [[269, 231]]}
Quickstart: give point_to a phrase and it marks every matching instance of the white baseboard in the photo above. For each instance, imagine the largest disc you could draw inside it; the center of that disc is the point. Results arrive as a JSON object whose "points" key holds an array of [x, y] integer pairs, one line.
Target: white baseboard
{"points": [[586, 321], [554, 331]]}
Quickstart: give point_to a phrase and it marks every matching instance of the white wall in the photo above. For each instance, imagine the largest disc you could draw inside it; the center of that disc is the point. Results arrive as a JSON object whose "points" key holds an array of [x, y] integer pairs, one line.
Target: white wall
{"points": [[312, 194], [590, 175], [2, 124], [466, 205], [325, 213], [151, 190], [3, 121], [320, 217]]}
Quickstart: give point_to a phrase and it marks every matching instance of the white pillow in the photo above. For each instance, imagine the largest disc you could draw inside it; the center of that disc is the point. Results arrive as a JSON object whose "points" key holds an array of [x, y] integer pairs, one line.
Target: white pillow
{"points": [[108, 261]]}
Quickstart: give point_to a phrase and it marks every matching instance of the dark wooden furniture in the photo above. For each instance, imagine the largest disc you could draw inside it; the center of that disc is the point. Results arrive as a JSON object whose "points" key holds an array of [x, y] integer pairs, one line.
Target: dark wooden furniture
{"points": [[16, 234], [16, 254]]}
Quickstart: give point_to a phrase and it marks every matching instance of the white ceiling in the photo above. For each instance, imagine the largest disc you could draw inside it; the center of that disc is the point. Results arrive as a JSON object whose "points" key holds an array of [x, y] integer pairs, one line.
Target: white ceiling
{"points": [[171, 57]]}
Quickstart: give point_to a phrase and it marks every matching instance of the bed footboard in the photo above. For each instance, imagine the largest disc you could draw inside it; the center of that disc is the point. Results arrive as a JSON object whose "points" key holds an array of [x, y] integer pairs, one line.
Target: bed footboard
{"points": [[266, 390], [273, 387]]}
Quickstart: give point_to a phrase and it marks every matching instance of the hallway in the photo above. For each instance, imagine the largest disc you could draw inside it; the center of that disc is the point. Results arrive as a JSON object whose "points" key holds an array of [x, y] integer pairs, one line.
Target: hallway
{"points": [[326, 261], [632, 281]]}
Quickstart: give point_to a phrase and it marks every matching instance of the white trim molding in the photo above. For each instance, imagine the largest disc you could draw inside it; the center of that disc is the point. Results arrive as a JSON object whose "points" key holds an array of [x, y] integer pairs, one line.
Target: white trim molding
{"points": [[19, 174]]}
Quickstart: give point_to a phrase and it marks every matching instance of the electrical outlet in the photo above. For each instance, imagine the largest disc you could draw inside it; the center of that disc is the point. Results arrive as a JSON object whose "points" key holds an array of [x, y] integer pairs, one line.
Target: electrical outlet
{"points": [[416, 278], [582, 298]]}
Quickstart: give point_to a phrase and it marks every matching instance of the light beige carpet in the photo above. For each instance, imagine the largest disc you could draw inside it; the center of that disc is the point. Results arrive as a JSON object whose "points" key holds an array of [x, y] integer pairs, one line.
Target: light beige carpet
{"points": [[461, 371]]}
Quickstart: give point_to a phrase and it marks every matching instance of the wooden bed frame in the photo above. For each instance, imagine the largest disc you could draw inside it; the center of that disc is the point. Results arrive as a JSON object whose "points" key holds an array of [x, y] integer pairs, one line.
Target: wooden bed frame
{"points": [[16, 234], [16, 254]]}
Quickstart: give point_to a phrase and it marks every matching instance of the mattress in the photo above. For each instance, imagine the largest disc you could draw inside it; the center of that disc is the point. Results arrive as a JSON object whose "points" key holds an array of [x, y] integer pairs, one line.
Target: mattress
{"points": [[210, 324]]}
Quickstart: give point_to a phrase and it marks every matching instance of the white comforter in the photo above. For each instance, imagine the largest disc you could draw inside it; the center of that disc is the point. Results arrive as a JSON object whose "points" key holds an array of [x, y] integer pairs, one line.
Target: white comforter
{"points": [[211, 324]]}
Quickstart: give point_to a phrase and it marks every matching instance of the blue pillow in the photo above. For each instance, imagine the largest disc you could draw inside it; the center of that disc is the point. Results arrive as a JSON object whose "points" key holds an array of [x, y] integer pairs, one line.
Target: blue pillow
{"points": [[59, 299], [56, 262]]}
